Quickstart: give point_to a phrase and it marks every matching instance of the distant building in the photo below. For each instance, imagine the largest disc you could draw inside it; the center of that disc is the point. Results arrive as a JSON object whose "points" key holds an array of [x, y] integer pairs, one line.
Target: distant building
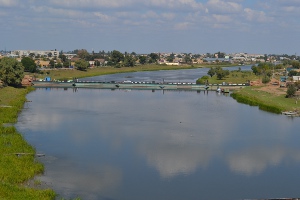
{"points": [[296, 78], [21, 53]]}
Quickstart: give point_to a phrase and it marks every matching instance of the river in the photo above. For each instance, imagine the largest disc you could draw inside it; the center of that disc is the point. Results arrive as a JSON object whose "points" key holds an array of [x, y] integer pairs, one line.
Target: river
{"points": [[157, 144]]}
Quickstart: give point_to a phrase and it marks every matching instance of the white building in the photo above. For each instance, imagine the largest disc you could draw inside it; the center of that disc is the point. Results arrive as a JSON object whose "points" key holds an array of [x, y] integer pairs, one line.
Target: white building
{"points": [[50, 53]]}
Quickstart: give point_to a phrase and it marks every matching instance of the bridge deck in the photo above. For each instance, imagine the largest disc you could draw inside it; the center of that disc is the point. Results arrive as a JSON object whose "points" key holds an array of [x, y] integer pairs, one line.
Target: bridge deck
{"points": [[153, 86]]}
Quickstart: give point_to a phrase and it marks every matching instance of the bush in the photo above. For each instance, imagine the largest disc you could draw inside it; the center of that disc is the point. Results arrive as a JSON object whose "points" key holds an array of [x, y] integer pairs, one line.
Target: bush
{"points": [[265, 79], [291, 91], [202, 80]]}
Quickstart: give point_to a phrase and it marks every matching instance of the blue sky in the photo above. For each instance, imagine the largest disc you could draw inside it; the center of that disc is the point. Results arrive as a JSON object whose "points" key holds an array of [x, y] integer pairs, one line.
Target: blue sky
{"points": [[145, 26]]}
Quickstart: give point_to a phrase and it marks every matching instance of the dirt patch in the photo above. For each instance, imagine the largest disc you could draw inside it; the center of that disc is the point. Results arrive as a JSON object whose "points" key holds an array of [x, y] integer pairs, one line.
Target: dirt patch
{"points": [[273, 87]]}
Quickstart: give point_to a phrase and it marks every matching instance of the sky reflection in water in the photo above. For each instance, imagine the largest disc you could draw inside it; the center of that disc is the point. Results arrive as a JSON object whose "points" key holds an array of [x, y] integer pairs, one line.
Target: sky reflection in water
{"points": [[103, 144]]}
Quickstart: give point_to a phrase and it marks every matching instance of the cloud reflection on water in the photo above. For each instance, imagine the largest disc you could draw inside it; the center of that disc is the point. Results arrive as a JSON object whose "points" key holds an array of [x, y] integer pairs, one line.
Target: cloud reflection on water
{"points": [[175, 134], [254, 160], [68, 177]]}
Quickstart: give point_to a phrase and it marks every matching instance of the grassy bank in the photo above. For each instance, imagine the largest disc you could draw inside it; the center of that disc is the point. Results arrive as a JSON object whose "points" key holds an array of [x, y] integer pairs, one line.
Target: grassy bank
{"points": [[235, 77], [265, 100], [61, 74], [16, 169]]}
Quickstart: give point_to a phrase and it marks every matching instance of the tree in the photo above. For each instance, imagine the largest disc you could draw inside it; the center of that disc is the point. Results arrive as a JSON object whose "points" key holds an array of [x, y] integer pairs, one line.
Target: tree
{"points": [[29, 64], [153, 58], [292, 73], [202, 80], [116, 57], [31, 55], [62, 57], [170, 59], [187, 59], [142, 59], [129, 61], [211, 72], [81, 65], [11, 71], [291, 91], [296, 64], [265, 79], [66, 64], [52, 63], [83, 54], [221, 73]]}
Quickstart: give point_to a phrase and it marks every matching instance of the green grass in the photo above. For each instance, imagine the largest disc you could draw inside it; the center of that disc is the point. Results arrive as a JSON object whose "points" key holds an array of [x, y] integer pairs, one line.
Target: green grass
{"points": [[61, 74], [234, 77], [266, 101], [15, 170]]}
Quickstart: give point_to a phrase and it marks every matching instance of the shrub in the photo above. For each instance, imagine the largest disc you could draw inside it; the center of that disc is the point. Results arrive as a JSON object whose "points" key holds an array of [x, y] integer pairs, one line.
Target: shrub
{"points": [[202, 80], [265, 79], [291, 91]]}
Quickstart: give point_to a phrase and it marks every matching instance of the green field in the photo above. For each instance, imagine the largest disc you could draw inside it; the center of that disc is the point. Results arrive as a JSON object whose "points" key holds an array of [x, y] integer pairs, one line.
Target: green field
{"points": [[235, 77]]}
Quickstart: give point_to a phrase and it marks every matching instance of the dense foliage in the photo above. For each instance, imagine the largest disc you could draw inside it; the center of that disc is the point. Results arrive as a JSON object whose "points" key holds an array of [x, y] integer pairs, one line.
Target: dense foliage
{"points": [[81, 65], [291, 90], [29, 64], [219, 72], [11, 71]]}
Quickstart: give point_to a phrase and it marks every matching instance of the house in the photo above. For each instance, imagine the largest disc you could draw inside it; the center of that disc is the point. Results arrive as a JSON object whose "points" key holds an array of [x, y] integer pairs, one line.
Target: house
{"points": [[296, 78], [100, 61]]}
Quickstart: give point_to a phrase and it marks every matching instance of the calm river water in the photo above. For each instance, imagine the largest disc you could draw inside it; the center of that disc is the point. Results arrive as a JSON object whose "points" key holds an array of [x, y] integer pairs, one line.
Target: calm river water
{"points": [[144, 144]]}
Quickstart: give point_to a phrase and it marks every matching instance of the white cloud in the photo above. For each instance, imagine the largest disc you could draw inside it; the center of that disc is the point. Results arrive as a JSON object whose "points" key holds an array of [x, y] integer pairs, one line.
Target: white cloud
{"points": [[218, 6], [92, 3], [9, 3], [168, 16], [222, 18], [172, 4], [258, 16], [104, 17], [150, 14], [58, 11], [182, 26]]}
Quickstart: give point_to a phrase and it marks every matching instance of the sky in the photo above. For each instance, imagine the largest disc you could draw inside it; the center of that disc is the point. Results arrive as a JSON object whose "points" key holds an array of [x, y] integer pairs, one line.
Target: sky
{"points": [[146, 26]]}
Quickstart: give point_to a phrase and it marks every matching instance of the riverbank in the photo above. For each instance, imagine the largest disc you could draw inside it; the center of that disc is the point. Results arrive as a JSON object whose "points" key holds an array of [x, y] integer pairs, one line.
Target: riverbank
{"points": [[17, 161], [67, 74], [268, 98]]}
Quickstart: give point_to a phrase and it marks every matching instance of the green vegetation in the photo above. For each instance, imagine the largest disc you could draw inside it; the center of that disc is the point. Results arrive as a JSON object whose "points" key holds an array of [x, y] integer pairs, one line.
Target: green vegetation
{"points": [[265, 100], [291, 91], [232, 77], [81, 65], [17, 158], [29, 65], [63, 74], [11, 71]]}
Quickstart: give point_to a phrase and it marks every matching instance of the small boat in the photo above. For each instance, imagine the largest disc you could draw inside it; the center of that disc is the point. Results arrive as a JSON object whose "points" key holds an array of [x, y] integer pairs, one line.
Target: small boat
{"points": [[290, 113]]}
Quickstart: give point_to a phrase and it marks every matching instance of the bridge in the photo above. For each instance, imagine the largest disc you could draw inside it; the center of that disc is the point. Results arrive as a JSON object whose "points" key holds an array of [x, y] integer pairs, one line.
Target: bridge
{"points": [[136, 85]]}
